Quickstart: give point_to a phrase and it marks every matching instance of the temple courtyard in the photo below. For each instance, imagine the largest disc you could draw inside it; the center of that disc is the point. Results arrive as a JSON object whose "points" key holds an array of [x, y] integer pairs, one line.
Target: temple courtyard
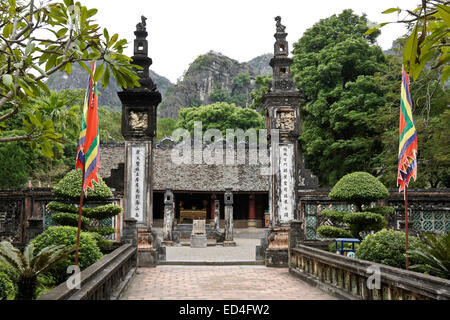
{"points": [[219, 283]]}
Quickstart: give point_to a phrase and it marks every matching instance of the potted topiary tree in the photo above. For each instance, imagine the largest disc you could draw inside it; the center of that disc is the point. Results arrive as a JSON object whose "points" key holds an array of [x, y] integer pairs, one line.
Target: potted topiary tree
{"points": [[66, 209], [359, 189]]}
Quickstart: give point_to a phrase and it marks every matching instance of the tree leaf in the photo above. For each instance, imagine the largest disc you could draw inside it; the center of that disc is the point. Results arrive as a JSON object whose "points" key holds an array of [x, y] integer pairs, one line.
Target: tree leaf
{"points": [[85, 67], [7, 80], [390, 10], [444, 13], [98, 73]]}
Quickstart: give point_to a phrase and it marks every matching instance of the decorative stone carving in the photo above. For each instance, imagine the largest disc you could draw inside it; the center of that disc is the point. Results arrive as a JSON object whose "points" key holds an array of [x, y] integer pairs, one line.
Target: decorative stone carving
{"points": [[285, 120], [138, 120]]}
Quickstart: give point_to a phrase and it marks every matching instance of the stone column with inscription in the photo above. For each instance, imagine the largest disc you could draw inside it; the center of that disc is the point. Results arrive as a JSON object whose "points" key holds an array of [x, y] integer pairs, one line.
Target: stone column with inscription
{"points": [[282, 108], [168, 216], [228, 242], [138, 128]]}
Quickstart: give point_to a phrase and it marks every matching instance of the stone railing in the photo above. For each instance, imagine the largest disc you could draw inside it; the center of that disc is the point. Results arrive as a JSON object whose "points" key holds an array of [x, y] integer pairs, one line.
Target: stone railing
{"points": [[104, 280], [348, 277]]}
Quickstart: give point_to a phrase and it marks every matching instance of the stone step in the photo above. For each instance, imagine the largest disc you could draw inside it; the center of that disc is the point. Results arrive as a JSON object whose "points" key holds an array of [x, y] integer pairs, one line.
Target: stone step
{"points": [[211, 263]]}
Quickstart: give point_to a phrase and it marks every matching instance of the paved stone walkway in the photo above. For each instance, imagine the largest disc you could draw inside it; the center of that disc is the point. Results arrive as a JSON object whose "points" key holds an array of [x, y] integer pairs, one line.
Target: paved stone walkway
{"points": [[220, 283], [245, 250]]}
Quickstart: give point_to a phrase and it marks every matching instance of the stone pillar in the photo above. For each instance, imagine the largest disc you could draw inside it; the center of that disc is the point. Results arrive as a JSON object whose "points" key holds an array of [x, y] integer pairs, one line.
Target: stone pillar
{"points": [[228, 219], [212, 209], [296, 236], [216, 214], [251, 222], [129, 231], [35, 228], [282, 107], [168, 216]]}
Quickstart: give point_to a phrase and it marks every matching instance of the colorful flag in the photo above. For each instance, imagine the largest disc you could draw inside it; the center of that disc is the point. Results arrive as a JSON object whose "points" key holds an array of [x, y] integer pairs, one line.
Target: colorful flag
{"points": [[407, 153], [89, 141]]}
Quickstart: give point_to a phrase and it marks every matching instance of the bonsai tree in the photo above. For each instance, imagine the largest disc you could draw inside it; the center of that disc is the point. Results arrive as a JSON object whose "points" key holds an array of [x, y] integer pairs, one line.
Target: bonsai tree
{"points": [[66, 209], [28, 265], [359, 189]]}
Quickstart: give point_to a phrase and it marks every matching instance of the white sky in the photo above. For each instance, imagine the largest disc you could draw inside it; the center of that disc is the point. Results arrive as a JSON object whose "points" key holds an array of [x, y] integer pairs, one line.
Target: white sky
{"points": [[179, 30]]}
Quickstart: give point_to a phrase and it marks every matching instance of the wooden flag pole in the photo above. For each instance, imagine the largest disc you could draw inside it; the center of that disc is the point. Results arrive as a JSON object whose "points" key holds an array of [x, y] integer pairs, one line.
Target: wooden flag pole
{"points": [[406, 224], [79, 218]]}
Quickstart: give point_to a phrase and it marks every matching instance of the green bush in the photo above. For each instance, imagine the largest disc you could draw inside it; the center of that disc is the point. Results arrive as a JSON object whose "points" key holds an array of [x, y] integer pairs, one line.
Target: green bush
{"points": [[387, 247], [7, 288], [364, 221], [333, 232], [103, 212], [333, 215], [70, 219], [384, 211], [62, 207], [89, 252], [102, 243], [69, 188], [103, 231], [358, 188]]}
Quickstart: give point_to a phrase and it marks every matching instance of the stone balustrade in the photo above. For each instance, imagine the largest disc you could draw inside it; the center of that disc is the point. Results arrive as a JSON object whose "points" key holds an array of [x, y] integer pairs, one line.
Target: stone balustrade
{"points": [[104, 280], [348, 277]]}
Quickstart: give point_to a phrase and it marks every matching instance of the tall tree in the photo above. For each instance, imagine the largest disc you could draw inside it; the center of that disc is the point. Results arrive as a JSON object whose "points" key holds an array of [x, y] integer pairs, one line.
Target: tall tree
{"points": [[334, 63], [39, 39]]}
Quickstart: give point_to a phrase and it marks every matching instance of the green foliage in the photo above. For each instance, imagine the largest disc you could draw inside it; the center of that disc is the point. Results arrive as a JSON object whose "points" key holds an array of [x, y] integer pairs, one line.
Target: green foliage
{"points": [[46, 283], [103, 231], [432, 255], [70, 219], [221, 116], [428, 39], [15, 169], [62, 207], [333, 232], [72, 36], [32, 262], [359, 188], [103, 212], [103, 244], [387, 247], [200, 62], [333, 215], [69, 188], [7, 289], [89, 252], [334, 63], [165, 127], [110, 122], [256, 95], [220, 95], [384, 211], [364, 221]]}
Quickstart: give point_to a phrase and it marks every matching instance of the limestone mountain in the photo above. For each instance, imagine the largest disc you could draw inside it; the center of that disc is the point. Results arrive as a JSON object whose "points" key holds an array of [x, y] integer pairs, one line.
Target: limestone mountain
{"points": [[107, 98], [213, 77]]}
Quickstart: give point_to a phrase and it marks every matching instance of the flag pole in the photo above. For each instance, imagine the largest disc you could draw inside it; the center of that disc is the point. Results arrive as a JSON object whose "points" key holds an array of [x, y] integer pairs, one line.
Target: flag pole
{"points": [[79, 218], [406, 224]]}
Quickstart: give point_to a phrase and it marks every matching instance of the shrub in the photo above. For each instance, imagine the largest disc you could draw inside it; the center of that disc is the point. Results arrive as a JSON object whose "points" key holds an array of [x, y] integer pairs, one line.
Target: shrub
{"points": [[69, 188], [62, 207], [358, 188], [102, 243], [363, 221], [103, 212], [7, 288], [333, 215], [432, 255], [70, 219], [103, 231], [384, 211], [89, 252], [333, 232], [387, 247]]}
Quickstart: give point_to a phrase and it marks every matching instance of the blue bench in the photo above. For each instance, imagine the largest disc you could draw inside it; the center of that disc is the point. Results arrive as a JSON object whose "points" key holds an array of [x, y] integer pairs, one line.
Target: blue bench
{"points": [[343, 241]]}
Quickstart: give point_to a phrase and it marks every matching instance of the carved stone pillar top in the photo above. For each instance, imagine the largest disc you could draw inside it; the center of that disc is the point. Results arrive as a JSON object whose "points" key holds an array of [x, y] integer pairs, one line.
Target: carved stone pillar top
{"points": [[228, 197], [168, 197]]}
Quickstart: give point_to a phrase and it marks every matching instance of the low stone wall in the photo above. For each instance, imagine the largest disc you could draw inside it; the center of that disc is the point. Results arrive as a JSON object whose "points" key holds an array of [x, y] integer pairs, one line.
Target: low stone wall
{"points": [[348, 277], [104, 280]]}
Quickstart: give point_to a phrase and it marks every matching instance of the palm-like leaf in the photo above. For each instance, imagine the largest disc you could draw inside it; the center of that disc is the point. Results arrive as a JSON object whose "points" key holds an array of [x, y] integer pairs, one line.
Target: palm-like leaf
{"points": [[433, 255], [11, 256]]}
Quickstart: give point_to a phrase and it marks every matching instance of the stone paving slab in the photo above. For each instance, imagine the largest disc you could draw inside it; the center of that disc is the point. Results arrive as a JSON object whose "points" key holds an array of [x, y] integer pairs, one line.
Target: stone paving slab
{"points": [[220, 283], [245, 250]]}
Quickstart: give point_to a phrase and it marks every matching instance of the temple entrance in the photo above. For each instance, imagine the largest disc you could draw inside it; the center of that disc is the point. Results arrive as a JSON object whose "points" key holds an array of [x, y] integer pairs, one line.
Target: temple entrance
{"points": [[247, 207]]}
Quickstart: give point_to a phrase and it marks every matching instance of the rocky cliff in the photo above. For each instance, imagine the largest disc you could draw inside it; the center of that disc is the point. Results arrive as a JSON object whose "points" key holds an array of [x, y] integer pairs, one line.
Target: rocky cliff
{"points": [[78, 80], [213, 77]]}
